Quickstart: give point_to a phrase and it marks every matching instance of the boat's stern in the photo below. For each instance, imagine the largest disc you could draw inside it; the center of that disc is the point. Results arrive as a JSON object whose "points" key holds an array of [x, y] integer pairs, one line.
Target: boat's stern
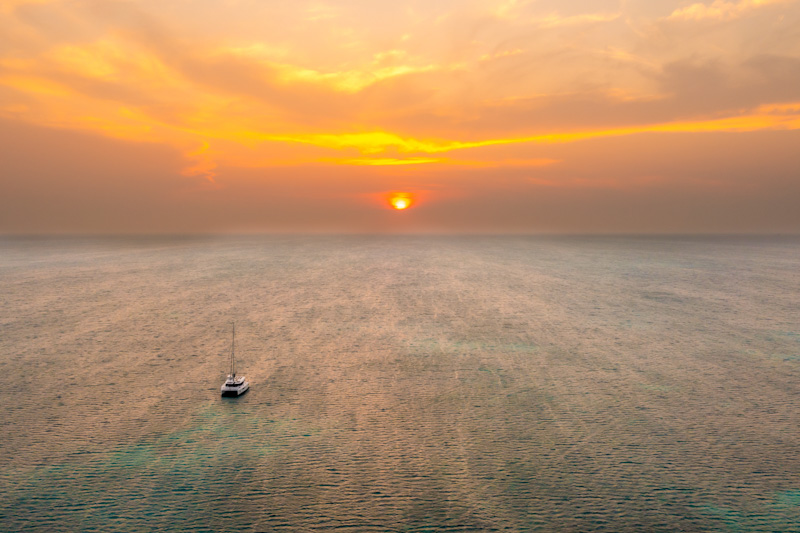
{"points": [[234, 387]]}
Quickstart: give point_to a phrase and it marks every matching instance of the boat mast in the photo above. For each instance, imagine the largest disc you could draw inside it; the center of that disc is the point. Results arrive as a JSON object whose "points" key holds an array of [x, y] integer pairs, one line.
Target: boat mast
{"points": [[233, 360]]}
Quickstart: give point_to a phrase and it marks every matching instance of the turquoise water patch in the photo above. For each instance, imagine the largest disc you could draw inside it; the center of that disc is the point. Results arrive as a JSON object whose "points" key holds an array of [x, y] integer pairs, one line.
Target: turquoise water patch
{"points": [[725, 518], [181, 479], [781, 514], [789, 498]]}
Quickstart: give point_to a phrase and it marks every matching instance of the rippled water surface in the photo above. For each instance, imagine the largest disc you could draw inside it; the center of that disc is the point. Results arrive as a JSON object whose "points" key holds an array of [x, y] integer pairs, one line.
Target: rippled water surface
{"points": [[401, 384]]}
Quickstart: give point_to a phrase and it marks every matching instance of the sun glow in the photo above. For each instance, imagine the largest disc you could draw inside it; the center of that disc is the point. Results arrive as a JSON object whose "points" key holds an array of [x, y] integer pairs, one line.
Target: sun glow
{"points": [[400, 201]]}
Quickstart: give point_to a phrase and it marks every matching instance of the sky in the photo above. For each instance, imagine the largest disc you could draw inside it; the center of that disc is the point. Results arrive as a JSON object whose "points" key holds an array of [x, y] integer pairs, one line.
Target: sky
{"points": [[491, 116]]}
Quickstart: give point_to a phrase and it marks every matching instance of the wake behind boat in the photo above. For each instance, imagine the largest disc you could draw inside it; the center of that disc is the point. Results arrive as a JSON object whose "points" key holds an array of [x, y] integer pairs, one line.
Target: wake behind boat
{"points": [[234, 386]]}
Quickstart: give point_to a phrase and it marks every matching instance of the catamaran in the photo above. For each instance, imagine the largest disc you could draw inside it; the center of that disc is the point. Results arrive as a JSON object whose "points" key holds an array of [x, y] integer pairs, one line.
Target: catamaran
{"points": [[234, 386]]}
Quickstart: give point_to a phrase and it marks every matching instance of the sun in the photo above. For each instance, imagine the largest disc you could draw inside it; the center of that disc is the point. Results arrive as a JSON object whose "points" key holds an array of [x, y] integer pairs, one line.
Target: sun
{"points": [[400, 203], [400, 200]]}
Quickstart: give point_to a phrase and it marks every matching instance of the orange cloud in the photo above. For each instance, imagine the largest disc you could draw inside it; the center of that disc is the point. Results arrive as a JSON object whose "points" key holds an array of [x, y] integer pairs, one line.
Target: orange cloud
{"points": [[389, 161], [555, 20], [720, 9], [371, 102]]}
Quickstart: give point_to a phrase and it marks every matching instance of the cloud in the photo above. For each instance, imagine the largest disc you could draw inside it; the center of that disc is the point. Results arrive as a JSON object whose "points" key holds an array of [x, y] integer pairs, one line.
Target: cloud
{"points": [[204, 164], [505, 90], [215, 120], [9, 6], [382, 161], [721, 10], [554, 20]]}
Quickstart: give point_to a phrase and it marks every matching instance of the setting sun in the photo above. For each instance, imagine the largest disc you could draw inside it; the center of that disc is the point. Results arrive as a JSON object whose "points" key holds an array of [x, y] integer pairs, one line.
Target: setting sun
{"points": [[400, 201]]}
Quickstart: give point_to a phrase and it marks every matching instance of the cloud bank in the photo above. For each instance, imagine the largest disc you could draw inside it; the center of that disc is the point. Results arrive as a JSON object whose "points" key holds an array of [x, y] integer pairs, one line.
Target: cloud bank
{"points": [[320, 105]]}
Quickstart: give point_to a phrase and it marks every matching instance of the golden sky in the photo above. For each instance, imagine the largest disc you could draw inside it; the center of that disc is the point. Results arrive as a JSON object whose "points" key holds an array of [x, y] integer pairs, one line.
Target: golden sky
{"points": [[515, 116]]}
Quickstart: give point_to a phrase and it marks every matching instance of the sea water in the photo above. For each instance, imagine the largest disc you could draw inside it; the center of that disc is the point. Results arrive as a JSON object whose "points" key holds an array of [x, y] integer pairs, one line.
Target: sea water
{"points": [[401, 384]]}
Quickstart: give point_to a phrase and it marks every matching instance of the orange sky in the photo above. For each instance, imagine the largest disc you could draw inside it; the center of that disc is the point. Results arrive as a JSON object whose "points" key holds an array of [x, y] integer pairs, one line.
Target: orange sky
{"points": [[516, 116]]}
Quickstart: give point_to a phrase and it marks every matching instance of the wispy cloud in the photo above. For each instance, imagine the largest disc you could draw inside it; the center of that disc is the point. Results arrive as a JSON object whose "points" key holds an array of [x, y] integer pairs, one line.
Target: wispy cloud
{"points": [[387, 161], [721, 10], [8, 6], [554, 20], [204, 164]]}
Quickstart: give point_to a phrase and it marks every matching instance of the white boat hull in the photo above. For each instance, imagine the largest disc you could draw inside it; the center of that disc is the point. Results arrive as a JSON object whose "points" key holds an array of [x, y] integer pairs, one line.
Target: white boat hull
{"points": [[237, 388]]}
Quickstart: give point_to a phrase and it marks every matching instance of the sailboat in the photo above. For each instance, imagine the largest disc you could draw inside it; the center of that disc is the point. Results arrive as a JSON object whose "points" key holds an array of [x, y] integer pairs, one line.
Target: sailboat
{"points": [[234, 386]]}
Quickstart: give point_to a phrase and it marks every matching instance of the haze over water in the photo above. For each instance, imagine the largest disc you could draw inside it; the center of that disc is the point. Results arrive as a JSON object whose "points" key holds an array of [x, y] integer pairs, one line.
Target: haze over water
{"points": [[401, 384]]}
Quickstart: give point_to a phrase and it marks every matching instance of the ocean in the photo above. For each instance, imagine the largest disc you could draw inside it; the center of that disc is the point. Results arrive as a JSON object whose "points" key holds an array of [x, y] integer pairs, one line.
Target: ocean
{"points": [[401, 383]]}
